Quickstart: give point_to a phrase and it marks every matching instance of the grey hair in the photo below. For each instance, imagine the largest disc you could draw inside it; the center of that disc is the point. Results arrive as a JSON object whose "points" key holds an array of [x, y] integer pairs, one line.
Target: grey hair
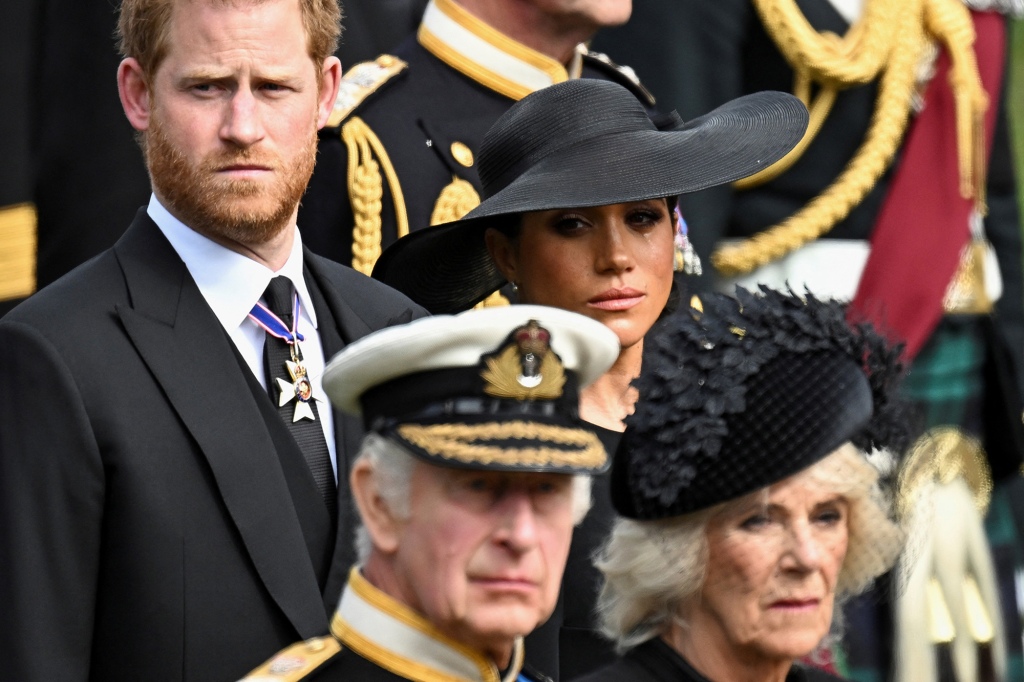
{"points": [[393, 465], [652, 568]]}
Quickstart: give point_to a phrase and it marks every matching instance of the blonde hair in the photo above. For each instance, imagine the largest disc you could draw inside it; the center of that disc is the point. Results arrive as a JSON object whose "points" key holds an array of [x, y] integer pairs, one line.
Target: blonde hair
{"points": [[143, 25], [651, 568]]}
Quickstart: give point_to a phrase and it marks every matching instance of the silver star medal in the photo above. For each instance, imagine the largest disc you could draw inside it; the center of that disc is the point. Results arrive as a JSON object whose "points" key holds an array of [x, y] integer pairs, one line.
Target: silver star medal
{"points": [[300, 390]]}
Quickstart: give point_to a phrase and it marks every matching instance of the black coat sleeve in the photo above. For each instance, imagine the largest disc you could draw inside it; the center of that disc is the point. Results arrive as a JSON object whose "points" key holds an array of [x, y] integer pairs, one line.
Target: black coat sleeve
{"points": [[51, 503]]}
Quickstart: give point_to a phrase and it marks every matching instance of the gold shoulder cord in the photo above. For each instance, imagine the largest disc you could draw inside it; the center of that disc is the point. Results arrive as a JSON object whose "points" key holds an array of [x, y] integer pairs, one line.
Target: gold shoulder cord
{"points": [[366, 158], [456, 200], [888, 43], [296, 662], [17, 251]]}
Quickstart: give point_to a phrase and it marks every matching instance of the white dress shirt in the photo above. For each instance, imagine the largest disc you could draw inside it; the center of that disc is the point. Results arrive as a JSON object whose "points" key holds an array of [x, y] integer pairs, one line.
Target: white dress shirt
{"points": [[232, 284]]}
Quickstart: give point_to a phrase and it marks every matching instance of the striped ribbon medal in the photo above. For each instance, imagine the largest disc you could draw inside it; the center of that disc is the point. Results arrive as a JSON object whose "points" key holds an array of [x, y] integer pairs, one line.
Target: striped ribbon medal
{"points": [[300, 389]]}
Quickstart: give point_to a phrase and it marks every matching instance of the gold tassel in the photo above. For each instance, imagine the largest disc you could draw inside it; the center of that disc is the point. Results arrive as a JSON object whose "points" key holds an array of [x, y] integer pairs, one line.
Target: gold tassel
{"points": [[366, 159], [17, 251], [949, 21], [456, 200]]}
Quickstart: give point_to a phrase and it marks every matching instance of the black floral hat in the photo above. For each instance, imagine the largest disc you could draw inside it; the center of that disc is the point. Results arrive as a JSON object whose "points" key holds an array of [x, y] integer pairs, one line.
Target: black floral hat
{"points": [[747, 391]]}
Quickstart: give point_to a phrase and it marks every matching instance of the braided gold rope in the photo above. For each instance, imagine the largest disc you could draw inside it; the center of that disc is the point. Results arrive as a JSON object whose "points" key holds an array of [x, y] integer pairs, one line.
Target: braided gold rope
{"points": [[856, 58], [17, 251], [950, 21], [861, 173], [365, 190], [479, 444], [456, 200], [910, 24], [367, 158], [820, 108]]}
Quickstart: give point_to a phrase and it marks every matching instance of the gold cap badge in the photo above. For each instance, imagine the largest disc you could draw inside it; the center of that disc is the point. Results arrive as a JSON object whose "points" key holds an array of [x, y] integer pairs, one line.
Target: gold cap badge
{"points": [[526, 368]]}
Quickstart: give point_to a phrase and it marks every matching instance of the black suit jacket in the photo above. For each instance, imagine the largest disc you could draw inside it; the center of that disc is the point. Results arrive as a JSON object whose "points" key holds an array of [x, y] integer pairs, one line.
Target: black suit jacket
{"points": [[147, 530]]}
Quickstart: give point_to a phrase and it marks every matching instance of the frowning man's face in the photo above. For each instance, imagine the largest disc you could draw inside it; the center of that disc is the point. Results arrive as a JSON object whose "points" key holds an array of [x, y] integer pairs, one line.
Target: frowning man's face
{"points": [[481, 553], [229, 118]]}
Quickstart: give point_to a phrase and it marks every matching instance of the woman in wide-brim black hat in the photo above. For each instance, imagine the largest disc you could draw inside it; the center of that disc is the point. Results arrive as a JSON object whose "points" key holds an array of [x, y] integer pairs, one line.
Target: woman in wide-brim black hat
{"points": [[579, 187]]}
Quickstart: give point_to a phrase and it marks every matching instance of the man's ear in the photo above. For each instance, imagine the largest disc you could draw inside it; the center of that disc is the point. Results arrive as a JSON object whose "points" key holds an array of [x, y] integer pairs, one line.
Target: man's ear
{"points": [[380, 522], [330, 81], [134, 92], [503, 253]]}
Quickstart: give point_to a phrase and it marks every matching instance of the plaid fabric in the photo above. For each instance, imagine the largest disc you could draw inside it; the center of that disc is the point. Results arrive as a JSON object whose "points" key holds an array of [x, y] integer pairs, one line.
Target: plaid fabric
{"points": [[945, 380], [945, 384]]}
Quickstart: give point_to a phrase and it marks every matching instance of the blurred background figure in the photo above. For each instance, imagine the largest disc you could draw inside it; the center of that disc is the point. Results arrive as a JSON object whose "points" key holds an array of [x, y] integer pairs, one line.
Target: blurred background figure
{"points": [[903, 199], [68, 155]]}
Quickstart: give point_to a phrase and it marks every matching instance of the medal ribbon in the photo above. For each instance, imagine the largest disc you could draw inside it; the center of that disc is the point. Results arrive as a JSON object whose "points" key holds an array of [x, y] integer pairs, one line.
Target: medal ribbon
{"points": [[273, 325]]}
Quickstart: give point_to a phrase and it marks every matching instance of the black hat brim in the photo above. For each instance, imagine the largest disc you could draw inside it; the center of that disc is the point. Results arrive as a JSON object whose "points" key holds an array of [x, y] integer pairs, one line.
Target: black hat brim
{"points": [[446, 268]]}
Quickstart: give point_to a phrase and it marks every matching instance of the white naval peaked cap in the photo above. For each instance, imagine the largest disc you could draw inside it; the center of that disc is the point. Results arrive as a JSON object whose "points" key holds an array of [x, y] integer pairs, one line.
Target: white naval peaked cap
{"points": [[584, 346]]}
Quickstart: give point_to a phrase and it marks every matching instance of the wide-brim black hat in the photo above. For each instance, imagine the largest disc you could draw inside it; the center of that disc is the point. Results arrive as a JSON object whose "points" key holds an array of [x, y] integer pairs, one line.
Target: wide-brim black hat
{"points": [[748, 392], [585, 143]]}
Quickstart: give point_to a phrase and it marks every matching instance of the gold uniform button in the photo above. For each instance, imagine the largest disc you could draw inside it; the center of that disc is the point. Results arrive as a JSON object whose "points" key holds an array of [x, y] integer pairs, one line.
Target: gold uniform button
{"points": [[462, 154]]}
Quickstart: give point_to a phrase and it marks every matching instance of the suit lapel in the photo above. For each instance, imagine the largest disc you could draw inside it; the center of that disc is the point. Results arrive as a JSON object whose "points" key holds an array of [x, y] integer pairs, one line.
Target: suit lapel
{"points": [[338, 327], [189, 354]]}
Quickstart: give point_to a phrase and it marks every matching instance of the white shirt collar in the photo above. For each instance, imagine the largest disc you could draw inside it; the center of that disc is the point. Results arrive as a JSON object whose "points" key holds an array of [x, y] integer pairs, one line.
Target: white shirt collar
{"points": [[230, 282], [488, 56]]}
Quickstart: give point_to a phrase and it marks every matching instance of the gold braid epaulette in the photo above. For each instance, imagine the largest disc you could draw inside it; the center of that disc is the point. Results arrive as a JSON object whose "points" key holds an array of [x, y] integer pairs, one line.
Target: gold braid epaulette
{"points": [[457, 199], [366, 158], [888, 43], [18, 242]]}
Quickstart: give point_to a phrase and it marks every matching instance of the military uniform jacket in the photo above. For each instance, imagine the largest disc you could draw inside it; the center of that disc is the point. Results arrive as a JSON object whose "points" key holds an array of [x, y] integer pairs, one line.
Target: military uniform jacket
{"points": [[154, 522], [728, 54], [376, 638], [399, 151]]}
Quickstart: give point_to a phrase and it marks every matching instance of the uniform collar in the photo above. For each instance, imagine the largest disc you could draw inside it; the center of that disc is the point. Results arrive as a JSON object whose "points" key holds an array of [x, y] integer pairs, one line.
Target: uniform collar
{"points": [[396, 638], [230, 282], [487, 55]]}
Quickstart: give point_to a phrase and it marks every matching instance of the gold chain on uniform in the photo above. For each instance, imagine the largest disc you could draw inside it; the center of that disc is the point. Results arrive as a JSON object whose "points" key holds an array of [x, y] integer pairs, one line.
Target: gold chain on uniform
{"points": [[888, 43]]}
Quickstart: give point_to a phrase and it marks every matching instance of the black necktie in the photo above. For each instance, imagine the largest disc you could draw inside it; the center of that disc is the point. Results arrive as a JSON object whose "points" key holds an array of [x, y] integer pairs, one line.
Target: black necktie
{"points": [[308, 433]]}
